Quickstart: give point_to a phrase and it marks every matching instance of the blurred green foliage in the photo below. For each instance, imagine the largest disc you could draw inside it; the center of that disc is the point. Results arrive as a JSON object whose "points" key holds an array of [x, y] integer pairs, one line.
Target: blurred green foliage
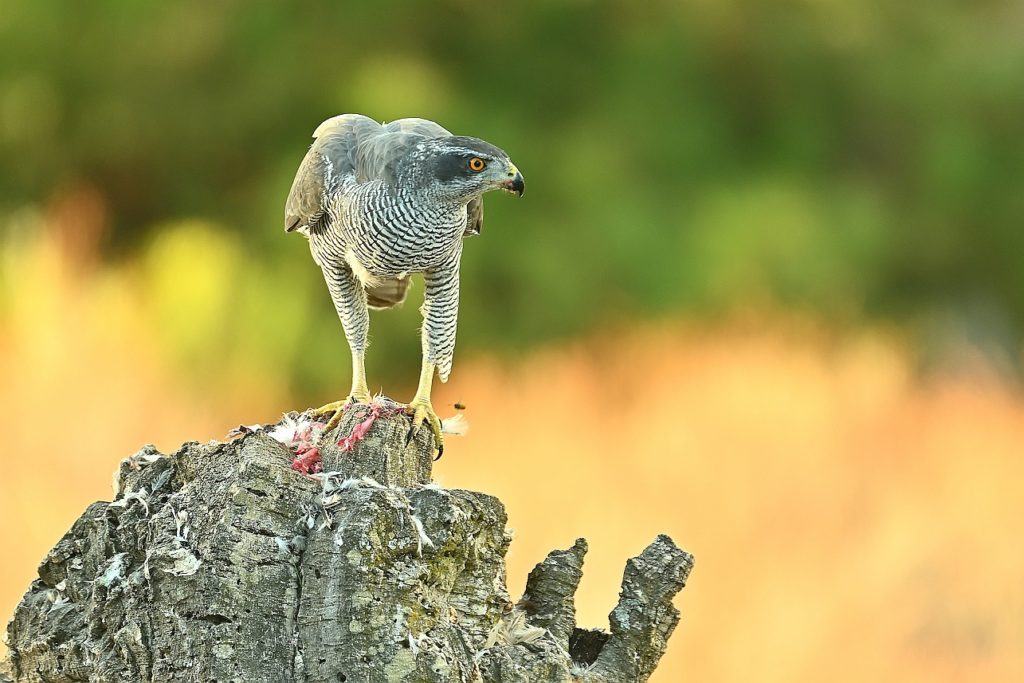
{"points": [[859, 158]]}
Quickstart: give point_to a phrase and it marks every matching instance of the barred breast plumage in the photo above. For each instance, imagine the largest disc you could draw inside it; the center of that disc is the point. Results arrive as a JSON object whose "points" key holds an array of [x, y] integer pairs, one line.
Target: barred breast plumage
{"points": [[390, 233]]}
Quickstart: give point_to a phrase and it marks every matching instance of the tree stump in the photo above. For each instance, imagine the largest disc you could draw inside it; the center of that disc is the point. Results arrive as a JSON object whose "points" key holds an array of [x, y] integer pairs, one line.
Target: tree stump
{"points": [[222, 563]]}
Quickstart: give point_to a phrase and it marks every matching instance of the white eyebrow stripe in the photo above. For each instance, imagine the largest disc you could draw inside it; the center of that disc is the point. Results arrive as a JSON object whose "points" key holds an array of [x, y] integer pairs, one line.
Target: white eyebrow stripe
{"points": [[473, 152]]}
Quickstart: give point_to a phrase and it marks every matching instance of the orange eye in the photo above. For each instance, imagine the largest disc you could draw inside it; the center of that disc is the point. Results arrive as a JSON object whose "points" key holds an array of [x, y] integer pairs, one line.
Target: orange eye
{"points": [[477, 164]]}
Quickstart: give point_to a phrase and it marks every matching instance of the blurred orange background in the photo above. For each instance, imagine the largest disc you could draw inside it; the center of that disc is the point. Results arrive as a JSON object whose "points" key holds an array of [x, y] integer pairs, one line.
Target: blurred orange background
{"points": [[850, 522]]}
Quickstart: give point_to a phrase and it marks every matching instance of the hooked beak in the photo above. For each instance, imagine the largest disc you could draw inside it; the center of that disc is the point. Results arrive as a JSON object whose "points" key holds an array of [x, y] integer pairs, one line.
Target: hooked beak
{"points": [[514, 183]]}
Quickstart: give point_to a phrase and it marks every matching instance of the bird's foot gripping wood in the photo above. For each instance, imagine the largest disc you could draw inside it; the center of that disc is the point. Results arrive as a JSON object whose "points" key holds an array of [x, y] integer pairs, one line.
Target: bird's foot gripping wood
{"points": [[422, 411], [336, 409]]}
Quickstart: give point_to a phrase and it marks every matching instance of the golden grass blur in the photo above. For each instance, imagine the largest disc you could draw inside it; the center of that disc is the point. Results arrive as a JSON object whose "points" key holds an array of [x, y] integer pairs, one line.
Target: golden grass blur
{"points": [[849, 522]]}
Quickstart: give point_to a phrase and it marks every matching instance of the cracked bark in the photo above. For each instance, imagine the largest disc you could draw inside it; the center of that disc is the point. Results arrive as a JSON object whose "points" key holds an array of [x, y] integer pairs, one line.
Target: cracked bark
{"points": [[221, 563]]}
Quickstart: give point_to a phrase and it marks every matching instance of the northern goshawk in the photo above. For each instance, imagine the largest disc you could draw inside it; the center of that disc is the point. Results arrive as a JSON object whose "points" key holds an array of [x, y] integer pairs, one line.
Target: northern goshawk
{"points": [[381, 202]]}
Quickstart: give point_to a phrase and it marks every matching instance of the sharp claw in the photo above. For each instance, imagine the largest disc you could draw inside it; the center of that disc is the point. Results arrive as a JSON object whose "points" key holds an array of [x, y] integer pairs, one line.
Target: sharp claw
{"points": [[333, 422], [411, 435], [435, 427], [423, 412], [329, 408]]}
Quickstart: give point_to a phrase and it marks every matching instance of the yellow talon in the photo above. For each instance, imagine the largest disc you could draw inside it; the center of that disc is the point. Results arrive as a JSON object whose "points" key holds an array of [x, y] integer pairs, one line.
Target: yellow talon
{"points": [[359, 394], [421, 412], [337, 408]]}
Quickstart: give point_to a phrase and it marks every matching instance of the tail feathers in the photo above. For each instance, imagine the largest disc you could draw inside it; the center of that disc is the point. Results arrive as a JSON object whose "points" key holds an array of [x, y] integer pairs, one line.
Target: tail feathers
{"points": [[387, 293]]}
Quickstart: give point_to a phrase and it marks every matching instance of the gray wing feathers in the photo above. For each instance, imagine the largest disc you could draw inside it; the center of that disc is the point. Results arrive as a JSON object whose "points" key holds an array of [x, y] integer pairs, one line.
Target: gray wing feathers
{"points": [[332, 156], [378, 152], [424, 127], [377, 155], [475, 216]]}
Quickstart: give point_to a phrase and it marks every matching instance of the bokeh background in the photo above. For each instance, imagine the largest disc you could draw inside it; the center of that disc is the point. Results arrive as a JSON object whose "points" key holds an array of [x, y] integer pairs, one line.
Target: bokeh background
{"points": [[765, 291]]}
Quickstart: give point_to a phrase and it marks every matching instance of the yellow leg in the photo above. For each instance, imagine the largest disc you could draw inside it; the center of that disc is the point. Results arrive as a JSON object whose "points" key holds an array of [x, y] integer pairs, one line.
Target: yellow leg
{"points": [[360, 393], [422, 410]]}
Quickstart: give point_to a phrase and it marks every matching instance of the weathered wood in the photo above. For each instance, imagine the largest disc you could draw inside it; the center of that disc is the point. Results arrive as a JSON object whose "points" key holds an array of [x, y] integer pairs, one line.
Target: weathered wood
{"points": [[222, 563]]}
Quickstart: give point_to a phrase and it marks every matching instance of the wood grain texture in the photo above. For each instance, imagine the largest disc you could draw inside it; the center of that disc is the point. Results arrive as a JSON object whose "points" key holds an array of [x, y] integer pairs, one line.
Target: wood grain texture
{"points": [[221, 563]]}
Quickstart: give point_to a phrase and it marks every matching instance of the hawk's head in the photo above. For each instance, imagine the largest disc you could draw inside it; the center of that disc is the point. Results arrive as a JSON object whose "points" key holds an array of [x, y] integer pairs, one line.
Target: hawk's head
{"points": [[463, 168]]}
